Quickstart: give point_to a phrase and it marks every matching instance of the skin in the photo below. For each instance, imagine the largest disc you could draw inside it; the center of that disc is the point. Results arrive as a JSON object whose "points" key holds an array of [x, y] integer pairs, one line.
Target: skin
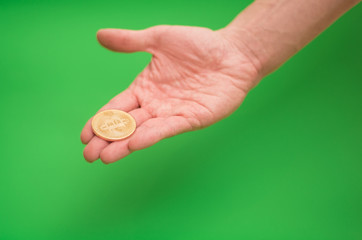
{"points": [[198, 76]]}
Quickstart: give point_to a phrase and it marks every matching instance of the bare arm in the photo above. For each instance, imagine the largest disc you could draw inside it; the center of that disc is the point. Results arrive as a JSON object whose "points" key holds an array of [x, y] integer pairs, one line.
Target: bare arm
{"points": [[271, 31]]}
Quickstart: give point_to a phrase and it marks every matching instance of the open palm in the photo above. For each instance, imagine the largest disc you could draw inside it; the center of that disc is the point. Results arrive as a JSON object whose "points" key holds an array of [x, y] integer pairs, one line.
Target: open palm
{"points": [[196, 77]]}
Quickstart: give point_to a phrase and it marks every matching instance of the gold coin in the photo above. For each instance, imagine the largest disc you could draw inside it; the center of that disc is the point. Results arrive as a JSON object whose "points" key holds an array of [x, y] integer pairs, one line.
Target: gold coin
{"points": [[113, 125]]}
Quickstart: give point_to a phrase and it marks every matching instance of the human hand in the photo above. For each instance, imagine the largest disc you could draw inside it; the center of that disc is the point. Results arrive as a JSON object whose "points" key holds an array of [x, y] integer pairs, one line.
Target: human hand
{"points": [[196, 77]]}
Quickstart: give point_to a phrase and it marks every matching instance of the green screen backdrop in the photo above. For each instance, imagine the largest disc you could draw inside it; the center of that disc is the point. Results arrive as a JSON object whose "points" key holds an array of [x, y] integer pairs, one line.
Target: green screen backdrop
{"points": [[287, 165]]}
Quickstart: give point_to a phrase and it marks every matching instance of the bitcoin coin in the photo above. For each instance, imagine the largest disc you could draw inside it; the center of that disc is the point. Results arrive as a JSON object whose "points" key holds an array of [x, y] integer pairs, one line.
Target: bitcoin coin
{"points": [[113, 125]]}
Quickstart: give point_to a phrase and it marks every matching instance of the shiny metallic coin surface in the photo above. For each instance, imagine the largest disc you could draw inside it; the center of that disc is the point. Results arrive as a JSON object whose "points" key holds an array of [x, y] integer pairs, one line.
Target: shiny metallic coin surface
{"points": [[113, 125]]}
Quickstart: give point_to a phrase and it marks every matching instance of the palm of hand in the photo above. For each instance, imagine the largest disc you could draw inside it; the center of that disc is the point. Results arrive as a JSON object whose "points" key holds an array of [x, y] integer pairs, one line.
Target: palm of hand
{"points": [[196, 77]]}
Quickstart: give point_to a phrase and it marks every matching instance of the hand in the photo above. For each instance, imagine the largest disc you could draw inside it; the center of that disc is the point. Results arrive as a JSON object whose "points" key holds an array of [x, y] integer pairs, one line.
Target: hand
{"points": [[196, 77]]}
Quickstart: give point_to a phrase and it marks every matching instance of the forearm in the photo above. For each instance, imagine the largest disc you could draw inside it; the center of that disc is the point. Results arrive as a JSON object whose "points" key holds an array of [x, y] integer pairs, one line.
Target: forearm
{"points": [[271, 31]]}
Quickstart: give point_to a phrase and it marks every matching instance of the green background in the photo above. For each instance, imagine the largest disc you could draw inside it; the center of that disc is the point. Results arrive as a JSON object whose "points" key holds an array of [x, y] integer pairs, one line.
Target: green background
{"points": [[285, 165]]}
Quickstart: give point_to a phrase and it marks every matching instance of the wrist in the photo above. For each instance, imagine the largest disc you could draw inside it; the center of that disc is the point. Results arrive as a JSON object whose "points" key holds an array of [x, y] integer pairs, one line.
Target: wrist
{"points": [[248, 45]]}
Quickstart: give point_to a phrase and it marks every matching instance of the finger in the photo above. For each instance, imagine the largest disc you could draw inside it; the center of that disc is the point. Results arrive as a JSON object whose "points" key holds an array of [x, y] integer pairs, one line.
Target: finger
{"points": [[119, 149], [115, 151], [87, 132], [156, 129], [121, 40], [125, 101], [94, 148]]}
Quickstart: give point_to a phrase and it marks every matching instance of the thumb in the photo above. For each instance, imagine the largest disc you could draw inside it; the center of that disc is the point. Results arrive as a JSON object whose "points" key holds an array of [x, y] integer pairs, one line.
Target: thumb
{"points": [[121, 40]]}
